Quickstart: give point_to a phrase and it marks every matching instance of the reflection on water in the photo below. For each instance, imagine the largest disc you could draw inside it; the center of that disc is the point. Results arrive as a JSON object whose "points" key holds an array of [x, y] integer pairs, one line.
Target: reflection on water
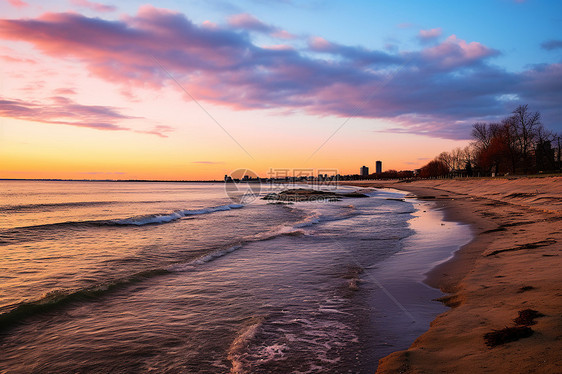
{"points": [[259, 288]]}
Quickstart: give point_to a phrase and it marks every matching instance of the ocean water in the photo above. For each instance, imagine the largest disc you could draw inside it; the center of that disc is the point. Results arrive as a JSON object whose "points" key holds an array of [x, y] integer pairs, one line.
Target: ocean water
{"points": [[121, 277]]}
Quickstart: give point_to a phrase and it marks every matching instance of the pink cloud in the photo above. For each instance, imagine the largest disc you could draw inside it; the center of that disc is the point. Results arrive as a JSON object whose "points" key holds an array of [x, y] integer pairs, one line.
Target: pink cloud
{"points": [[248, 22], [431, 34], [210, 25], [65, 91], [18, 3], [18, 60], [94, 6], [63, 111], [223, 66], [159, 130], [454, 52], [283, 34], [318, 43], [279, 47]]}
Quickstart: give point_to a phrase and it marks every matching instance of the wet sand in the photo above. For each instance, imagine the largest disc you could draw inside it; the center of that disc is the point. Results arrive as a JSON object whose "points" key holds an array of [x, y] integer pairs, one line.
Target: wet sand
{"points": [[514, 263], [402, 305]]}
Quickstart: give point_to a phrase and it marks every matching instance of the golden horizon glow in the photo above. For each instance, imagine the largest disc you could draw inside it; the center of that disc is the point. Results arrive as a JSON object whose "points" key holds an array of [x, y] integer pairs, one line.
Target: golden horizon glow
{"points": [[62, 152]]}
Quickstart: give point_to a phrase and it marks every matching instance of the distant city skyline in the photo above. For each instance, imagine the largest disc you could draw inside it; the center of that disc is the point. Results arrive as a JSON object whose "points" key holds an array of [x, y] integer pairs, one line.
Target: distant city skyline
{"points": [[195, 89], [378, 167], [364, 171]]}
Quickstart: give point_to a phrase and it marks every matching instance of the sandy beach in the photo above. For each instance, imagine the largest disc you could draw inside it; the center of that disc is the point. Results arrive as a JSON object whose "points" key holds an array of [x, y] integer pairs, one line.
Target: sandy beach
{"points": [[513, 264]]}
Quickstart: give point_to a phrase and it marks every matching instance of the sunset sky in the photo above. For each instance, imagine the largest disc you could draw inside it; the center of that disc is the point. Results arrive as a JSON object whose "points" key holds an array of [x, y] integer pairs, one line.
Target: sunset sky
{"points": [[196, 89]]}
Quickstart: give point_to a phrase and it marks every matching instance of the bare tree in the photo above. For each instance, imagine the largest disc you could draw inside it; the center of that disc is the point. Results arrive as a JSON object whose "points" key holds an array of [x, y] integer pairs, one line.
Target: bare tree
{"points": [[446, 159], [557, 136], [434, 169], [480, 132], [484, 132], [519, 143], [544, 135], [544, 152], [457, 158], [525, 125], [511, 139], [469, 154]]}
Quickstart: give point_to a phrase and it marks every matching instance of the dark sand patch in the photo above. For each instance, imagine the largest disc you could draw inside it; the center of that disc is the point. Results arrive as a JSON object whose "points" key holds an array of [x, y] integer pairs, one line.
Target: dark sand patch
{"points": [[506, 335]]}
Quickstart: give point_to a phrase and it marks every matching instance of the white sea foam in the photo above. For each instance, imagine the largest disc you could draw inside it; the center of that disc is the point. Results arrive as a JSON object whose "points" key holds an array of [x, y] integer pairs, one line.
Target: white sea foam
{"points": [[282, 231], [178, 214], [311, 341], [210, 210], [239, 346], [204, 259], [328, 310], [272, 352], [312, 219], [215, 255]]}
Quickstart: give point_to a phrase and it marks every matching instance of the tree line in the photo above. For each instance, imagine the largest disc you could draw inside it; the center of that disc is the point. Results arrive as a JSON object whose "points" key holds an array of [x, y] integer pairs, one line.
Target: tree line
{"points": [[518, 144]]}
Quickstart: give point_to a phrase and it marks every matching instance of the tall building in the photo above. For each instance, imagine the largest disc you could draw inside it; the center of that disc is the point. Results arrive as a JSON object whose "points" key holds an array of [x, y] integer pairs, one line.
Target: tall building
{"points": [[364, 171], [379, 167]]}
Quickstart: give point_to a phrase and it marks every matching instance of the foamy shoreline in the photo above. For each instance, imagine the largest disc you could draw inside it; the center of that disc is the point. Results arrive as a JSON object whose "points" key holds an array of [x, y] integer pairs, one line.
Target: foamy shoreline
{"points": [[512, 264]]}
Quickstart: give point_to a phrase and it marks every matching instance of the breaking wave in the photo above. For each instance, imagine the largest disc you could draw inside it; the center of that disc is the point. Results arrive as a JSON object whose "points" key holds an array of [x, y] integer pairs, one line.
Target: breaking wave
{"points": [[178, 214], [139, 220]]}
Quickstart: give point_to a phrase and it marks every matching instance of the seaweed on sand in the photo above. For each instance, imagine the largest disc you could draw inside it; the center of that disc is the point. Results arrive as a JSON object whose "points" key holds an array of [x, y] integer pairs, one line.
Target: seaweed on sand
{"points": [[527, 317], [506, 335], [525, 288]]}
